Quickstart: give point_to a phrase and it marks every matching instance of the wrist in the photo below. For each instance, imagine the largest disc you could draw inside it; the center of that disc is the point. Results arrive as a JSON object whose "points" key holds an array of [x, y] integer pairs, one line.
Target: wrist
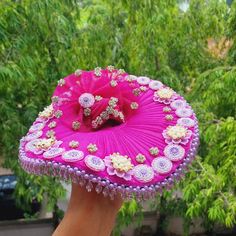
{"points": [[80, 198], [88, 214]]}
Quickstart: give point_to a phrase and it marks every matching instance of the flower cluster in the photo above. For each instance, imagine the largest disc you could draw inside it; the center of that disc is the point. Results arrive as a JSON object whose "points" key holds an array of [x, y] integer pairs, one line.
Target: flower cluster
{"points": [[111, 110], [38, 146], [164, 95], [47, 112], [119, 165], [177, 134]]}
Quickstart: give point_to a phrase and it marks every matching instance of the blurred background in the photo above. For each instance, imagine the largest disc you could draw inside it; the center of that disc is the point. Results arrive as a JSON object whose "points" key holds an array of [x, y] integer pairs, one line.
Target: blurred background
{"points": [[188, 45]]}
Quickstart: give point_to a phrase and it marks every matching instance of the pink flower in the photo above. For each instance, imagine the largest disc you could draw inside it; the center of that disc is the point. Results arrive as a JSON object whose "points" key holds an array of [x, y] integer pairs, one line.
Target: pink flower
{"points": [[177, 134], [41, 145], [164, 95], [119, 165]]}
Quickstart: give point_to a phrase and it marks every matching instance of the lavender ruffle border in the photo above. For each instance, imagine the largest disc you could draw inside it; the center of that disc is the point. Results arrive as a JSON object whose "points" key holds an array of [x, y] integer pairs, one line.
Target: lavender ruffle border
{"points": [[90, 181]]}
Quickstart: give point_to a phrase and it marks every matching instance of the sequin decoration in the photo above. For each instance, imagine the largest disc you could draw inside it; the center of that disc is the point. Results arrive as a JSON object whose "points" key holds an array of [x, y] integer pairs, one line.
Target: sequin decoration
{"points": [[178, 103], [31, 146], [174, 152], [185, 121], [86, 100], [36, 127], [143, 173], [72, 156], [53, 152], [155, 85], [142, 80], [94, 163], [162, 165], [34, 135], [184, 112]]}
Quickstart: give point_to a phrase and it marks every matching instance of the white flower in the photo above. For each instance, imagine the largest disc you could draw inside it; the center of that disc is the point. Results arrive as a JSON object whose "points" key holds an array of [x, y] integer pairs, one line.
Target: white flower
{"points": [[155, 85], [142, 80], [162, 165], [86, 100]]}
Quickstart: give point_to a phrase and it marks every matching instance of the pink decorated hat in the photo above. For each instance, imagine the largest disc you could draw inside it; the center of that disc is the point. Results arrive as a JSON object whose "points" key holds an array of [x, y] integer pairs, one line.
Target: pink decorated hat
{"points": [[112, 132]]}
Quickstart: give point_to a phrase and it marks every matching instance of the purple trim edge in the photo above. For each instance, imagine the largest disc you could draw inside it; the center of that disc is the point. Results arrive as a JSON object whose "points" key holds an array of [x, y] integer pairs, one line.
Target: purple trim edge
{"points": [[74, 174]]}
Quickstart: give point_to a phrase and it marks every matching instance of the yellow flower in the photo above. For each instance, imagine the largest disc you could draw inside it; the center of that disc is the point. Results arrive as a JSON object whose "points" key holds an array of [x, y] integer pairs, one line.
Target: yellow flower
{"points": [[92, 148], [121, 163], [47, 112], [176, 132], [45, 143], [165, 93]]}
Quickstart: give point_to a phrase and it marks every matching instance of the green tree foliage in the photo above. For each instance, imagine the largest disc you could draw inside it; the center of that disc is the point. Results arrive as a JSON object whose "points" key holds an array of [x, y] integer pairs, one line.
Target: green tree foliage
{"points": [[42, 41]]}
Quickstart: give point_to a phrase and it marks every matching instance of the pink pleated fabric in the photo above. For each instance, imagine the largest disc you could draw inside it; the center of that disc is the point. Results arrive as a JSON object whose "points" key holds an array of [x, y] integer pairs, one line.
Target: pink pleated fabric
{"points": [[117, 133]]}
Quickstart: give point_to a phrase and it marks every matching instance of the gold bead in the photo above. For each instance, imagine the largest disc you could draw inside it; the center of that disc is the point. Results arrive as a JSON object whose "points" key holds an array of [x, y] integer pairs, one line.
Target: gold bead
{"points": [[87, 111], [140, 158], [166, 109], [121, 71], [154, 151], [50, 133], [73, 144], [61, 82], [134, 105], [113, 83], [52, 124], [92, 148], [110, 68], [75, 125], [169, 117], [97, 71], [98, 98], [136, 91], [58, 113], [55, 99], [78, 72]]}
